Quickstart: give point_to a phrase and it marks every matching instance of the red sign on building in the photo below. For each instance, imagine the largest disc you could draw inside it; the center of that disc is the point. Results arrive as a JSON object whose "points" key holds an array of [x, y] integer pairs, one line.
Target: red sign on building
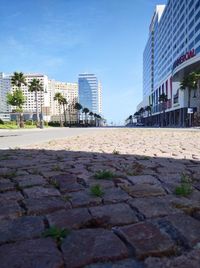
{"points": [[190, 54]]}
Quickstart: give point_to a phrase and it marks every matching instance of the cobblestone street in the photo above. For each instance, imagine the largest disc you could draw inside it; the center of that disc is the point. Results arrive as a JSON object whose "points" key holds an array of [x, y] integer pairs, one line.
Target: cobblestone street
{"points": [[124, 198]]}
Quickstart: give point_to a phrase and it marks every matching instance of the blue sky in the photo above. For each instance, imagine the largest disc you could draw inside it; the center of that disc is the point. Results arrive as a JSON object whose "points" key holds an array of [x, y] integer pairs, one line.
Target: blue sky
{"points": [[62, 38]]}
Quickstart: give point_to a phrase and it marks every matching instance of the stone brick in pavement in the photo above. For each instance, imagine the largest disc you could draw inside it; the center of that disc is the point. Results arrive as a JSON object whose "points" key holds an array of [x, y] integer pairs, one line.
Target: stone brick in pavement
{"points": [[189, 260], [152, 207], [67, 183], [6, 185], [45, 205], [39, 192], [147, 239], [115, 195], [10, 196], [186, 204], [149, 179], [40, 253], [30, 180], [143, 190], [25, 227], [83, 199], [113, 215], [5, 171], [187, 226], [73, 219], [10, 210], [102, 183], [88, 246]]}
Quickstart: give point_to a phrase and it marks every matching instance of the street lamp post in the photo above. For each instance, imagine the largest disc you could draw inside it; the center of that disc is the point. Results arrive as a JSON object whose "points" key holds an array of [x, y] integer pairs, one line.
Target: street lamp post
{"points": [[41, 114]]}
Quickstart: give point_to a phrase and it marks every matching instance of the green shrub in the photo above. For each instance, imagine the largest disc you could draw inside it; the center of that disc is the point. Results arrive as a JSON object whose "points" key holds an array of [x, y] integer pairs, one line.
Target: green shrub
{"points": [[1, 122], [29, 123], [54, 124], [13, 123]]}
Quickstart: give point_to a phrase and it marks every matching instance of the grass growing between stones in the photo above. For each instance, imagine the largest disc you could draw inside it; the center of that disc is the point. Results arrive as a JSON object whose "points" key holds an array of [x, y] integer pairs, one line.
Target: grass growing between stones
{"points": [[185, 187], [115, 152], [56, 233], [56, 168], [96, 190], [55, 183], [135, 169], [104, 174], [66, 198]]}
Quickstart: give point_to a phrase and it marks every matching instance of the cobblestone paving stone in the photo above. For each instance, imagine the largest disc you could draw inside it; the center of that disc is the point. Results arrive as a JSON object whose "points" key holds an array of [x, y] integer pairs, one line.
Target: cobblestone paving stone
{"points": [[137, 220]]}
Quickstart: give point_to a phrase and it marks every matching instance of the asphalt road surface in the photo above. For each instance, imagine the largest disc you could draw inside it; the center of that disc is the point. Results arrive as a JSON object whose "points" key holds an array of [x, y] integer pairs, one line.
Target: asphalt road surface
{"points": [[23, 137]]}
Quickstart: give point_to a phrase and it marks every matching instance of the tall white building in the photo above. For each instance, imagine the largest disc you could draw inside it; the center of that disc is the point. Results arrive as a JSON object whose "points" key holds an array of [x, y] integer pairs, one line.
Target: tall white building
{"points": [[100, 97], [90, 92], [172, 52], [5, 85]]}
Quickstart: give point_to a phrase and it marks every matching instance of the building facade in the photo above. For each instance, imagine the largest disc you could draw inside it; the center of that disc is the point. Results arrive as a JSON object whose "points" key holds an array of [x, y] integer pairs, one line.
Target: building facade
{"points": [[90, 92], [171, 53], [70, 92], [5, 85], [46, 103], [29, 107]]}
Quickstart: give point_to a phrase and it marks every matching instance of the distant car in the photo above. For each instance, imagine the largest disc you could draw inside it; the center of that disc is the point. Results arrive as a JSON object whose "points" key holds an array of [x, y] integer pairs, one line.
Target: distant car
{"points": [[139, 124]]}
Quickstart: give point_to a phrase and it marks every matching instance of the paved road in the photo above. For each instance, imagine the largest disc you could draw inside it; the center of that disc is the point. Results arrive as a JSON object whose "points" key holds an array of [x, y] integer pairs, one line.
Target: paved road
{"points": [[17, 138]]}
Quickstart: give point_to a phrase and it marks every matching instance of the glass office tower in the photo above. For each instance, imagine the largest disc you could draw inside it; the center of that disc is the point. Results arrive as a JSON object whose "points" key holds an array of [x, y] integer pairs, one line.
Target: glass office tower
{"points": [[89, 92]]}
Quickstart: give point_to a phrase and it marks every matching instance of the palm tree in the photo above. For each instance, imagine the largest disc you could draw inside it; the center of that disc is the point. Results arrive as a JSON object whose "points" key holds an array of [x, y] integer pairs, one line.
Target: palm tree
{"points": [[141, 113], [95, 118], [197, 78], [85, 111], [36, 86], [148, 110], [130, 119], [17, 99], [163, 99], [59, 98], [136, 114], [189, 83], [91, 116], [63, 102], [78, 107], [18, 80]]}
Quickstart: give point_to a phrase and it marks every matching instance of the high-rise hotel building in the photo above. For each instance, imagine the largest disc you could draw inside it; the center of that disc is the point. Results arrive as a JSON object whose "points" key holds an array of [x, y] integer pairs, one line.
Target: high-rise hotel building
{"points": [[90, 92], [172, 52]]}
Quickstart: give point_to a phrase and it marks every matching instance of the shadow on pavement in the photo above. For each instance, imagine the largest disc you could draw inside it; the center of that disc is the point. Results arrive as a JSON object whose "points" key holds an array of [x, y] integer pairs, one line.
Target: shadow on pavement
{"points": [[120, 210]]}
